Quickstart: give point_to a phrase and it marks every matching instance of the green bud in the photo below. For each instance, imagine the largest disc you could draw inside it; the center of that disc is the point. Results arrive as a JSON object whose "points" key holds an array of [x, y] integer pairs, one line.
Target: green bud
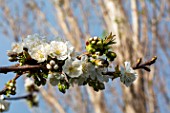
{"points": [[90, 49], [11, 88], [99, 43], [100, 62], [61, 87], [101, 86], [111, 55], [66, 85]]}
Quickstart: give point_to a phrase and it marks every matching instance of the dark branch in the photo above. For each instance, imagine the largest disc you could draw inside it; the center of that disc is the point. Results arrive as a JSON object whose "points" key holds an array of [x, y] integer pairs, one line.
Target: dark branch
{"points": [[145, 65], [137, 66], [19, 97], [21, 68]]}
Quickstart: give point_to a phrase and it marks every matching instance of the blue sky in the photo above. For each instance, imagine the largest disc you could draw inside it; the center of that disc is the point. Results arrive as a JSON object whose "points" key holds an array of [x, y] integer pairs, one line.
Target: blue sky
{"points": [[5, 44]]}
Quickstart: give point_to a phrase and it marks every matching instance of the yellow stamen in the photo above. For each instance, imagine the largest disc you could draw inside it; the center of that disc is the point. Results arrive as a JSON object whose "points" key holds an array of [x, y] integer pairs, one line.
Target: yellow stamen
{"points": [[57, 52]]}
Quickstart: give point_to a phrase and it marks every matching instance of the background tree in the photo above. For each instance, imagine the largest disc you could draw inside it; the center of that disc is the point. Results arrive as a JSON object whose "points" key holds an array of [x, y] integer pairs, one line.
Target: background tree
{"points": [[141, 28]]}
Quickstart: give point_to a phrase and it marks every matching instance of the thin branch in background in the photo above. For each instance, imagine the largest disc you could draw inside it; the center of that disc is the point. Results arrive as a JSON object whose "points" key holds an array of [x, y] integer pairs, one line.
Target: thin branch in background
{"points": [[19, 97]]}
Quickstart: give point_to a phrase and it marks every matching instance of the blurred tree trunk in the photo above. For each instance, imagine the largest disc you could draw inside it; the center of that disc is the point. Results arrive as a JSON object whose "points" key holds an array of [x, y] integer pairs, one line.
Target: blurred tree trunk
{"points": [[135, 97]]}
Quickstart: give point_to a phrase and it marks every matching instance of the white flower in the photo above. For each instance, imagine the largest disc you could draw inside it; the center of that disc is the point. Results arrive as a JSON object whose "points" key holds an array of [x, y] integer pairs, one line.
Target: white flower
{"points": [[4, 105], [73, 68], [87, 67], [31, 41], [40, 53], [89, 70], [71, 51], [97, 73], [53, 80], [58, 49], [28, 82], [17, 47], [128, 75]]}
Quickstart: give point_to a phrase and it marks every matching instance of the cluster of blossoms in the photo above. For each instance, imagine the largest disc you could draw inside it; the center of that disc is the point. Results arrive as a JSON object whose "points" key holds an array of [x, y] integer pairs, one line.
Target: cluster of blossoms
{"points": [[63, 66]]}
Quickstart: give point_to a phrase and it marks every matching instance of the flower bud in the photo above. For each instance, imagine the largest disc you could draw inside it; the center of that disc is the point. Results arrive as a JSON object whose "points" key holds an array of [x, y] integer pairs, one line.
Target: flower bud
{"points": [[90, 39], [12, 59], [93, 42], [53, 81], [92, 50], [101, 86], [52, 62], [111, 55], [61, 87], [99, 53], [99, 43], [12, 54], [49, 66], [100, 62], [55, 67], [95, 38]]}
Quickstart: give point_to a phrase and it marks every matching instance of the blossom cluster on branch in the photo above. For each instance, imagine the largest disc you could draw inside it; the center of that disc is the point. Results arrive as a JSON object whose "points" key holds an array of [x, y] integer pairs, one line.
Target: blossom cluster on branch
{"points": [[58, 63]]}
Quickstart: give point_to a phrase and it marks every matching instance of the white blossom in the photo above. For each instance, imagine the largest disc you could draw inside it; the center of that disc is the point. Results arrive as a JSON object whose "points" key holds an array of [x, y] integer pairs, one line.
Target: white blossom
{"points": [[97, 73], [40, 53], [53, 80], [58, 49], [87, 67], [17, 47], [28, 82], [128, 75], [71, 50], [4, 105], [73, 68], [90, 70], [31, 41]]}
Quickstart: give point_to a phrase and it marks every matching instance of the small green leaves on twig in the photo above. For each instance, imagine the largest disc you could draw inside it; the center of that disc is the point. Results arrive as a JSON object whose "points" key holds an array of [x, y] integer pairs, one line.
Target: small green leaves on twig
{"points": [[109, 39], [10, 88]]}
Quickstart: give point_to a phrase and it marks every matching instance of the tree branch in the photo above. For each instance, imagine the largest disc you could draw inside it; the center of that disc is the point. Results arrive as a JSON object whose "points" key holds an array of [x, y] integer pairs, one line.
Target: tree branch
{"points": [[21, 68], [19, 97]]}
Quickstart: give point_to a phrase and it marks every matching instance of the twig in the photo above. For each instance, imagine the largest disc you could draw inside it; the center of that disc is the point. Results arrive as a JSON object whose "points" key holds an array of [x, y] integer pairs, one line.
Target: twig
{"points": [[145, 65], [19, 97], [5, 88], [137, 66]]}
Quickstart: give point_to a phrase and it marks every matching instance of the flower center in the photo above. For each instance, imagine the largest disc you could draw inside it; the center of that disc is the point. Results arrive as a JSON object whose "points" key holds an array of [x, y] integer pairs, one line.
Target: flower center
{"points": [[40, 55], [57, 52], [128, 74], [84, 68], [71, 69]]}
